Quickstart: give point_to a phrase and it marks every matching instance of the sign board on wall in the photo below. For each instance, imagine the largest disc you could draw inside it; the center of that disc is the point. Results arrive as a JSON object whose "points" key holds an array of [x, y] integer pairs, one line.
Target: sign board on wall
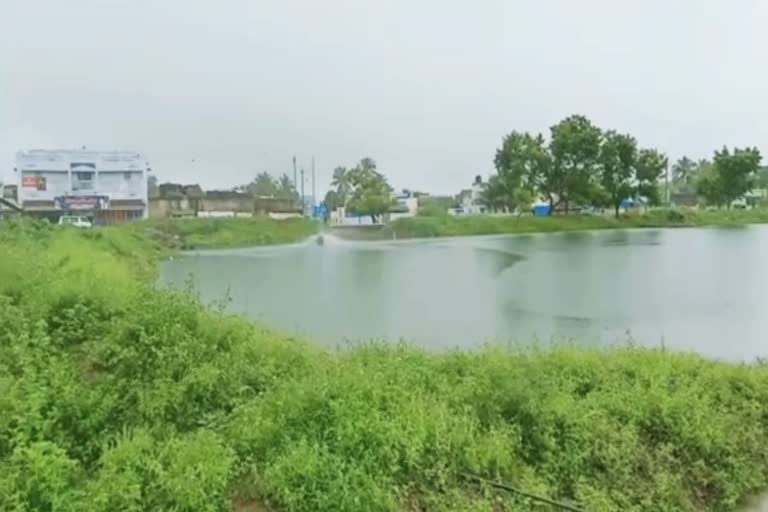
{"points": [[82, 202], [36, 182]]}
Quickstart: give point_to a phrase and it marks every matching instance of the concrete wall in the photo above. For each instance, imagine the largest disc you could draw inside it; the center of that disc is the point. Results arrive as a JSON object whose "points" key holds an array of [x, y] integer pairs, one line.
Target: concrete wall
{"points": [[217, 203]]}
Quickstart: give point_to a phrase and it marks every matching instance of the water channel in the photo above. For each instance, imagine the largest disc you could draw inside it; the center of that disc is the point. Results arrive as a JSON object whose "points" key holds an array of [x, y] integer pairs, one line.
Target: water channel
{"points": [[704, 290]]}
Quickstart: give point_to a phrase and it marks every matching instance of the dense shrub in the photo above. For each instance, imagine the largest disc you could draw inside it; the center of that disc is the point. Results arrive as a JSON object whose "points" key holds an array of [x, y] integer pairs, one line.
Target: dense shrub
{"points": [[435, 226], [204, 233], [117, 396]]}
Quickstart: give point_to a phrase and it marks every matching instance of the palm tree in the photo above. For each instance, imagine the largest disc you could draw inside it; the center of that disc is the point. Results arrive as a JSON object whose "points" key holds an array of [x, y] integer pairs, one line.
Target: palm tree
{"points": [[285, 189], [683, 170], [342, 182]]}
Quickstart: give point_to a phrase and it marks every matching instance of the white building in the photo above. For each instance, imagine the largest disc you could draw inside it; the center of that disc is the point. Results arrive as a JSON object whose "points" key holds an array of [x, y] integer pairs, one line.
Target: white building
{"points": [[110, 186], [406, 205], [471, 202]]}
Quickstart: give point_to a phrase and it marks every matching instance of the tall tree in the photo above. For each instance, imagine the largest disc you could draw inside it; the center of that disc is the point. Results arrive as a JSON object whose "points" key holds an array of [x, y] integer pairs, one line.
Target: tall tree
{"points": [[736, 172], [575, 148], [495, 195], [618, 157], [370, 193], [709, 187], [651, 166], [263, 185], [331, 200], [342, 182], [683, 170], [761, 180], [284, 189], [521, 163]]}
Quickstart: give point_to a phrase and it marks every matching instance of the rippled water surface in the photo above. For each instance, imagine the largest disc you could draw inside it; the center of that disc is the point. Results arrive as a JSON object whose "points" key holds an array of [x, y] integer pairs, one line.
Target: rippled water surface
{"points": [[697, 289]]}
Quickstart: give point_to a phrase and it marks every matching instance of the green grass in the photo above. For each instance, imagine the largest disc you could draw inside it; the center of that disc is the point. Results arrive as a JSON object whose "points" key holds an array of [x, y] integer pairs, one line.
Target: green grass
{"points": [[199, 233], [425, 226], [117, 396]]}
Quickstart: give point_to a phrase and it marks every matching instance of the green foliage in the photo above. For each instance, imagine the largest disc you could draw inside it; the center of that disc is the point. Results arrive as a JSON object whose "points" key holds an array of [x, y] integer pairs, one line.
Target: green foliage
{"points": [[370, 194], [265, 185], [425, 227], [581, 165], [436, 206], [332, 200], [190, 472], [618, 158], [730, 176], [342, 181], [135, 399], [651, 165], [203, 233], [522, 163], [39, 477], [575, 147], [736, 171], [709, 187], [683, 170]]}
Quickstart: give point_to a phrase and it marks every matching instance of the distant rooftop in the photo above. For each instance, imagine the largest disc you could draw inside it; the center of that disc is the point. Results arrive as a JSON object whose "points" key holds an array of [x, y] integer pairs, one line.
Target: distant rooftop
{"points": [[70, 154]]}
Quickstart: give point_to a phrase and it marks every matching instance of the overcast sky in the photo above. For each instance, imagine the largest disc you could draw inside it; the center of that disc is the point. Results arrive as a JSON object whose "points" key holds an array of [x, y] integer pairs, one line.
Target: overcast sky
{"points": [[216, 91]]}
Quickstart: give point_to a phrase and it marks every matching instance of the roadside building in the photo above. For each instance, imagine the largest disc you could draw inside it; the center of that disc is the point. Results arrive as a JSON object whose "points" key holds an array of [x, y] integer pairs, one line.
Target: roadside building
{"points": [[108, 186], [176, 200], [406, 204], [471, 200]]}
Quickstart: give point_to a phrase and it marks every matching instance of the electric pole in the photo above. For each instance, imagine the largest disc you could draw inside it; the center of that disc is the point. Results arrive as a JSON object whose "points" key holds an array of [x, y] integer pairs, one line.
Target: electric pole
{"points": [[295, 187], [303, 204], [314, 199]]}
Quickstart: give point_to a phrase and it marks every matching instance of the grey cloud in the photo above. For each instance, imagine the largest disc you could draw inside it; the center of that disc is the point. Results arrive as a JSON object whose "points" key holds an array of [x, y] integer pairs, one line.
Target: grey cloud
{"points": [[426, 88]]}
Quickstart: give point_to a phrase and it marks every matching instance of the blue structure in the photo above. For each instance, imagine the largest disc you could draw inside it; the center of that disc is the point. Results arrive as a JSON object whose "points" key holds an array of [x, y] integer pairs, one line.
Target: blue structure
{"points": [[320, 211], [628, 203], [542, 210]]}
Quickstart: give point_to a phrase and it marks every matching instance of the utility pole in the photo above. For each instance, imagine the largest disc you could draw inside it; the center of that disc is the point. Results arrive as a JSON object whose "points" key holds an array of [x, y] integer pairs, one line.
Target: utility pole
{"points": [[294, 173], [314, 199], [303, 205]]}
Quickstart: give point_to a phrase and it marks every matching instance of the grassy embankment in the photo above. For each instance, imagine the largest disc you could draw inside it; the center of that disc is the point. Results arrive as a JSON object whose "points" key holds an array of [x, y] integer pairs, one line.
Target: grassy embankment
{"points": [[435, 226], [223, 233], [116, 396]]}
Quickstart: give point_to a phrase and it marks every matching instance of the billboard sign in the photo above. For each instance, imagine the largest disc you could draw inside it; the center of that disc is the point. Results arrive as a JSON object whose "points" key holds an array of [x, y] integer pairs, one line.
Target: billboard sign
{"points": [[36, 182], [82, 202]]}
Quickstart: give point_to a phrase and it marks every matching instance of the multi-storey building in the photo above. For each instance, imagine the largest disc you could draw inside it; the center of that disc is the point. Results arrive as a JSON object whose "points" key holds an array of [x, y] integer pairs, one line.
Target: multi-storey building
{"points": [[109, 186]]}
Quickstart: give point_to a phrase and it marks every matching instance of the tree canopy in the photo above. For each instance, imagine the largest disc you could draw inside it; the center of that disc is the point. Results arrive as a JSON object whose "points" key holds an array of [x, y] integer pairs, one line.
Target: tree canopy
{"points": [[618, 159], [580, 165], [369, 191], [730, 176], [265, 185]]}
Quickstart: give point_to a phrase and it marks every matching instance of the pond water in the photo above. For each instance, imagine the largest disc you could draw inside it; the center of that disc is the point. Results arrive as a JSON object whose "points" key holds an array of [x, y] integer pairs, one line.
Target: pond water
{"points": [[691, 289]]}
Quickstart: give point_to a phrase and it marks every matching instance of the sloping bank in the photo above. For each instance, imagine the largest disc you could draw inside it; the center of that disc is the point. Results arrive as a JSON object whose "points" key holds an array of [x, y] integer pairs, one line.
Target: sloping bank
{"points": [[425, 227], [117, 396]]}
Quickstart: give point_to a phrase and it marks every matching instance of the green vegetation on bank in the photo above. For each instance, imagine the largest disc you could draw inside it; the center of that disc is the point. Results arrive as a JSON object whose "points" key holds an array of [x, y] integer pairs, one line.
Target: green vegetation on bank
{"points": [[213, 233], [582, 164], [117, 396], [445, 225]]}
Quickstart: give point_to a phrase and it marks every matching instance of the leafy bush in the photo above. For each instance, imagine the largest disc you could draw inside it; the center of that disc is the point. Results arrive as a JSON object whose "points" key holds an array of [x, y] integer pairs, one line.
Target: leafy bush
{"points": [[117, 396]]}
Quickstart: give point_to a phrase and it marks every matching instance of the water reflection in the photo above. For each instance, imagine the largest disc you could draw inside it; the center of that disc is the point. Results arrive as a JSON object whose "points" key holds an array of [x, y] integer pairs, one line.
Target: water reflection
{"points": [[693, 289]]}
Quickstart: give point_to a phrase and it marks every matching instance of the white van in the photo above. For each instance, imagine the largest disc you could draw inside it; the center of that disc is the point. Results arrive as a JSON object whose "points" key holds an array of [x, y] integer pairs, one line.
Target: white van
{"points": [[75, 220]]}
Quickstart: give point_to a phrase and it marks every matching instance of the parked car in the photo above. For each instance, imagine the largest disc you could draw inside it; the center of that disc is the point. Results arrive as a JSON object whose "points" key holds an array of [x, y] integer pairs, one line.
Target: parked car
{"points": [[75, 220]]}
